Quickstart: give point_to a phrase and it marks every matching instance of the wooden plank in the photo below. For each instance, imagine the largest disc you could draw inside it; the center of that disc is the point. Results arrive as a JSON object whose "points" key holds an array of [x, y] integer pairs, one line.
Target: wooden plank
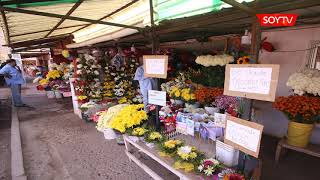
{"points": [[165, 163], [74, 7], [7, 32], [143, 166]]}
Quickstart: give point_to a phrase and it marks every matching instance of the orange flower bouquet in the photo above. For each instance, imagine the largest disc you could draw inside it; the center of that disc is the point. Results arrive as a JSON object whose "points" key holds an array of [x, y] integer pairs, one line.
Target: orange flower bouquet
{"points": [[207, 95], [300, 109]]}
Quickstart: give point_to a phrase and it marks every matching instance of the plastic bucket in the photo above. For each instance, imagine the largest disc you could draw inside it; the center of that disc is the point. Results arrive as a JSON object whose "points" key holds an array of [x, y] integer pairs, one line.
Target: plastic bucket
{"points": [[226, 154], [299, 134], [58, 94], [50, 94]]}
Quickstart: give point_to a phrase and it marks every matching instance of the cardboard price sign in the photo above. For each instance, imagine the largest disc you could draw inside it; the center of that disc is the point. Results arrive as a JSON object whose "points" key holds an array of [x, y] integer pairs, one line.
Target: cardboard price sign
{"points": [[243, 135], [155, 66], [253, 81], [157, 97]]}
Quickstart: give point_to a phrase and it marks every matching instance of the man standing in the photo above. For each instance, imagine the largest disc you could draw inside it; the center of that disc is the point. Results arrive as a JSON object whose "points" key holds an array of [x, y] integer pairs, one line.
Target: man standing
{"points": [[14, 80]]}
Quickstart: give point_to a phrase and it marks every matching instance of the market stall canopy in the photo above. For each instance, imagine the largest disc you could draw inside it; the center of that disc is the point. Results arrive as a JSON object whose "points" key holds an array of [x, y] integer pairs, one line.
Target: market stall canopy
{"points": [[94, 22], [26, 20]]}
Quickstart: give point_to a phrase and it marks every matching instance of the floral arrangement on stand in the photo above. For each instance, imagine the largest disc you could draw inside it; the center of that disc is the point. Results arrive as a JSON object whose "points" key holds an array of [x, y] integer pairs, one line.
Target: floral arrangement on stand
{"points": [[88, 71], [139, 131], [212, 72], [209, 166], [169, 147], [306, 81], [107, 116], [206, 96], [301, 109], [217, 60], [224, 102], [129, 117], [118, 82], [153, 137], [188, 158]]}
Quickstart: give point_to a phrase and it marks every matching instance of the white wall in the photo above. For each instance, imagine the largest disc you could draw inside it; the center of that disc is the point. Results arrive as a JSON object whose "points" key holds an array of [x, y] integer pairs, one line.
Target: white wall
{"points": [[285, 39]]}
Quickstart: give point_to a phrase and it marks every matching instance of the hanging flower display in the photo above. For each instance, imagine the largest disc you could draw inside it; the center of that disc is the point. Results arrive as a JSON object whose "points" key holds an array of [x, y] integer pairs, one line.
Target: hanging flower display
{"points": [[217, 60]]}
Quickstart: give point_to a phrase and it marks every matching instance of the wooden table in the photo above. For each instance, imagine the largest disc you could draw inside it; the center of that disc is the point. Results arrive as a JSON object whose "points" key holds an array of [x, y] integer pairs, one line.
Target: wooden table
{"points": [[311, 149], [152, 153]]}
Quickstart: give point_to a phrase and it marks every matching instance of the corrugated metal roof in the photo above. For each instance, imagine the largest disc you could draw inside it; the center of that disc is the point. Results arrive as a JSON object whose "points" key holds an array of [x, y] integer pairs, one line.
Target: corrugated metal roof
{"points": [[23, 27]]}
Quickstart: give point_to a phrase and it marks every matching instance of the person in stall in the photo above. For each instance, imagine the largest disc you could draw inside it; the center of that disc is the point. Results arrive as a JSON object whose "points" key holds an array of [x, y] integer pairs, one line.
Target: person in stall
{"points": [[145, 83], [117, 59], [14, 79]]}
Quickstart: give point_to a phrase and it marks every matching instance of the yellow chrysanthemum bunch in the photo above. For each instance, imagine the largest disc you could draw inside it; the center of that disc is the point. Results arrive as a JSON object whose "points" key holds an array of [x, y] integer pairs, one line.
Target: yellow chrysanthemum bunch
{"points": [[187, 95], [154, 137], [43, 82], [129, 116], [105, 118], [139, 131], [184, 94], [187, 153], [171, 144], [54, 74], [188, 167], [123, 100], [82, 98]]}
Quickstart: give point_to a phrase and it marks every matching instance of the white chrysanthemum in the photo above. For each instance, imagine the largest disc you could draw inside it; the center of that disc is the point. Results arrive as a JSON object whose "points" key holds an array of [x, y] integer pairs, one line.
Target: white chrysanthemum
{"points": [[79, 72], [96, 72], [209, 60], [306, 81], [79, 66]]}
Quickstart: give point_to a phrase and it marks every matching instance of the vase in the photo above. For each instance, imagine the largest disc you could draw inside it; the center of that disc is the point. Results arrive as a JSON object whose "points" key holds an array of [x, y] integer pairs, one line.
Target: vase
{"points": [[193, 106], [211, 110], [299, 134], [58, 94], [50, 94], [178, 102]]}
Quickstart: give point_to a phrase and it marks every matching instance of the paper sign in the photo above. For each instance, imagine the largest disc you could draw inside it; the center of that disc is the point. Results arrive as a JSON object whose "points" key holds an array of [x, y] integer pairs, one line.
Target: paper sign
{"points": [[318, 65], [155, 66], [190, 127], [181, 127], [243, 135], [220, 120], [254, 81], [157, 97]]}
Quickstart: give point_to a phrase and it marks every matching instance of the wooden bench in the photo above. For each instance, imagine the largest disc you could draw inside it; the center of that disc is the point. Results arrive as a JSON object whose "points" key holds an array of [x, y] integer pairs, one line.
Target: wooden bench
{"points": [[283, 146]]}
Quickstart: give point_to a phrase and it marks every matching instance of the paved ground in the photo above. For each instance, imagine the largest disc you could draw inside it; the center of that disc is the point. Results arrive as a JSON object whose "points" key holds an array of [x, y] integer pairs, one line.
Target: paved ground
{"points": [[5, 124], [58, 145]]}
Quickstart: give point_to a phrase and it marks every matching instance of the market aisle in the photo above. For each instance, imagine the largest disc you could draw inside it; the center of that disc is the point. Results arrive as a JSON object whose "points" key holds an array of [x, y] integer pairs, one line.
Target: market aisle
{"points": [[58, 145], [5, 133]]}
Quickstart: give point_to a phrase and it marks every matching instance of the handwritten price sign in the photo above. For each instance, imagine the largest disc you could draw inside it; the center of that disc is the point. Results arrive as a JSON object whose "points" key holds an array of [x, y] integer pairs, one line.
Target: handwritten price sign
{"points": [[254, 81], [243, 135]]}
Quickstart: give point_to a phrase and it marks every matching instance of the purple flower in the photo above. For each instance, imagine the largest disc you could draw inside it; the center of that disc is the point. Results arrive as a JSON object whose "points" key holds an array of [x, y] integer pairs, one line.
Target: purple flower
{"points": [[224, 102]]}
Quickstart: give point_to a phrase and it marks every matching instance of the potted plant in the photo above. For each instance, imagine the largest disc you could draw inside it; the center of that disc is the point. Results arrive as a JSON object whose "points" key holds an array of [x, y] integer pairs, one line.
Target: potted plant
{"points": [[175, 94], [206, 97], [189, 97], [302, 112]]}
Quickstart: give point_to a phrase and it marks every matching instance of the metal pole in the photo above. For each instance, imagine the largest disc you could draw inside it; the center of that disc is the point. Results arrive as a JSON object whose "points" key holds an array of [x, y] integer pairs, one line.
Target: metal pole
{"points": [[154, 49]]}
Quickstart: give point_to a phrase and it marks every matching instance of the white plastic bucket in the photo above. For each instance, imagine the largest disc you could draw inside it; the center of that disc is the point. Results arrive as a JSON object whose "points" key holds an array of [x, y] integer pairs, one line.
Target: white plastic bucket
{"points": [[109, 134], [50, 94], [226, 154], [58, 94]]}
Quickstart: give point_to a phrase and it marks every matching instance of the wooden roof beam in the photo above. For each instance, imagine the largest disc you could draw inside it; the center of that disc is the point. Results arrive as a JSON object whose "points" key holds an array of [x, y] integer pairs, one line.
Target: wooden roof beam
{"points": [[108, 15], [39, 41], [17, 2], [74, 7], [4, 18], [240, 6], [25, 11], [47, 30]]}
